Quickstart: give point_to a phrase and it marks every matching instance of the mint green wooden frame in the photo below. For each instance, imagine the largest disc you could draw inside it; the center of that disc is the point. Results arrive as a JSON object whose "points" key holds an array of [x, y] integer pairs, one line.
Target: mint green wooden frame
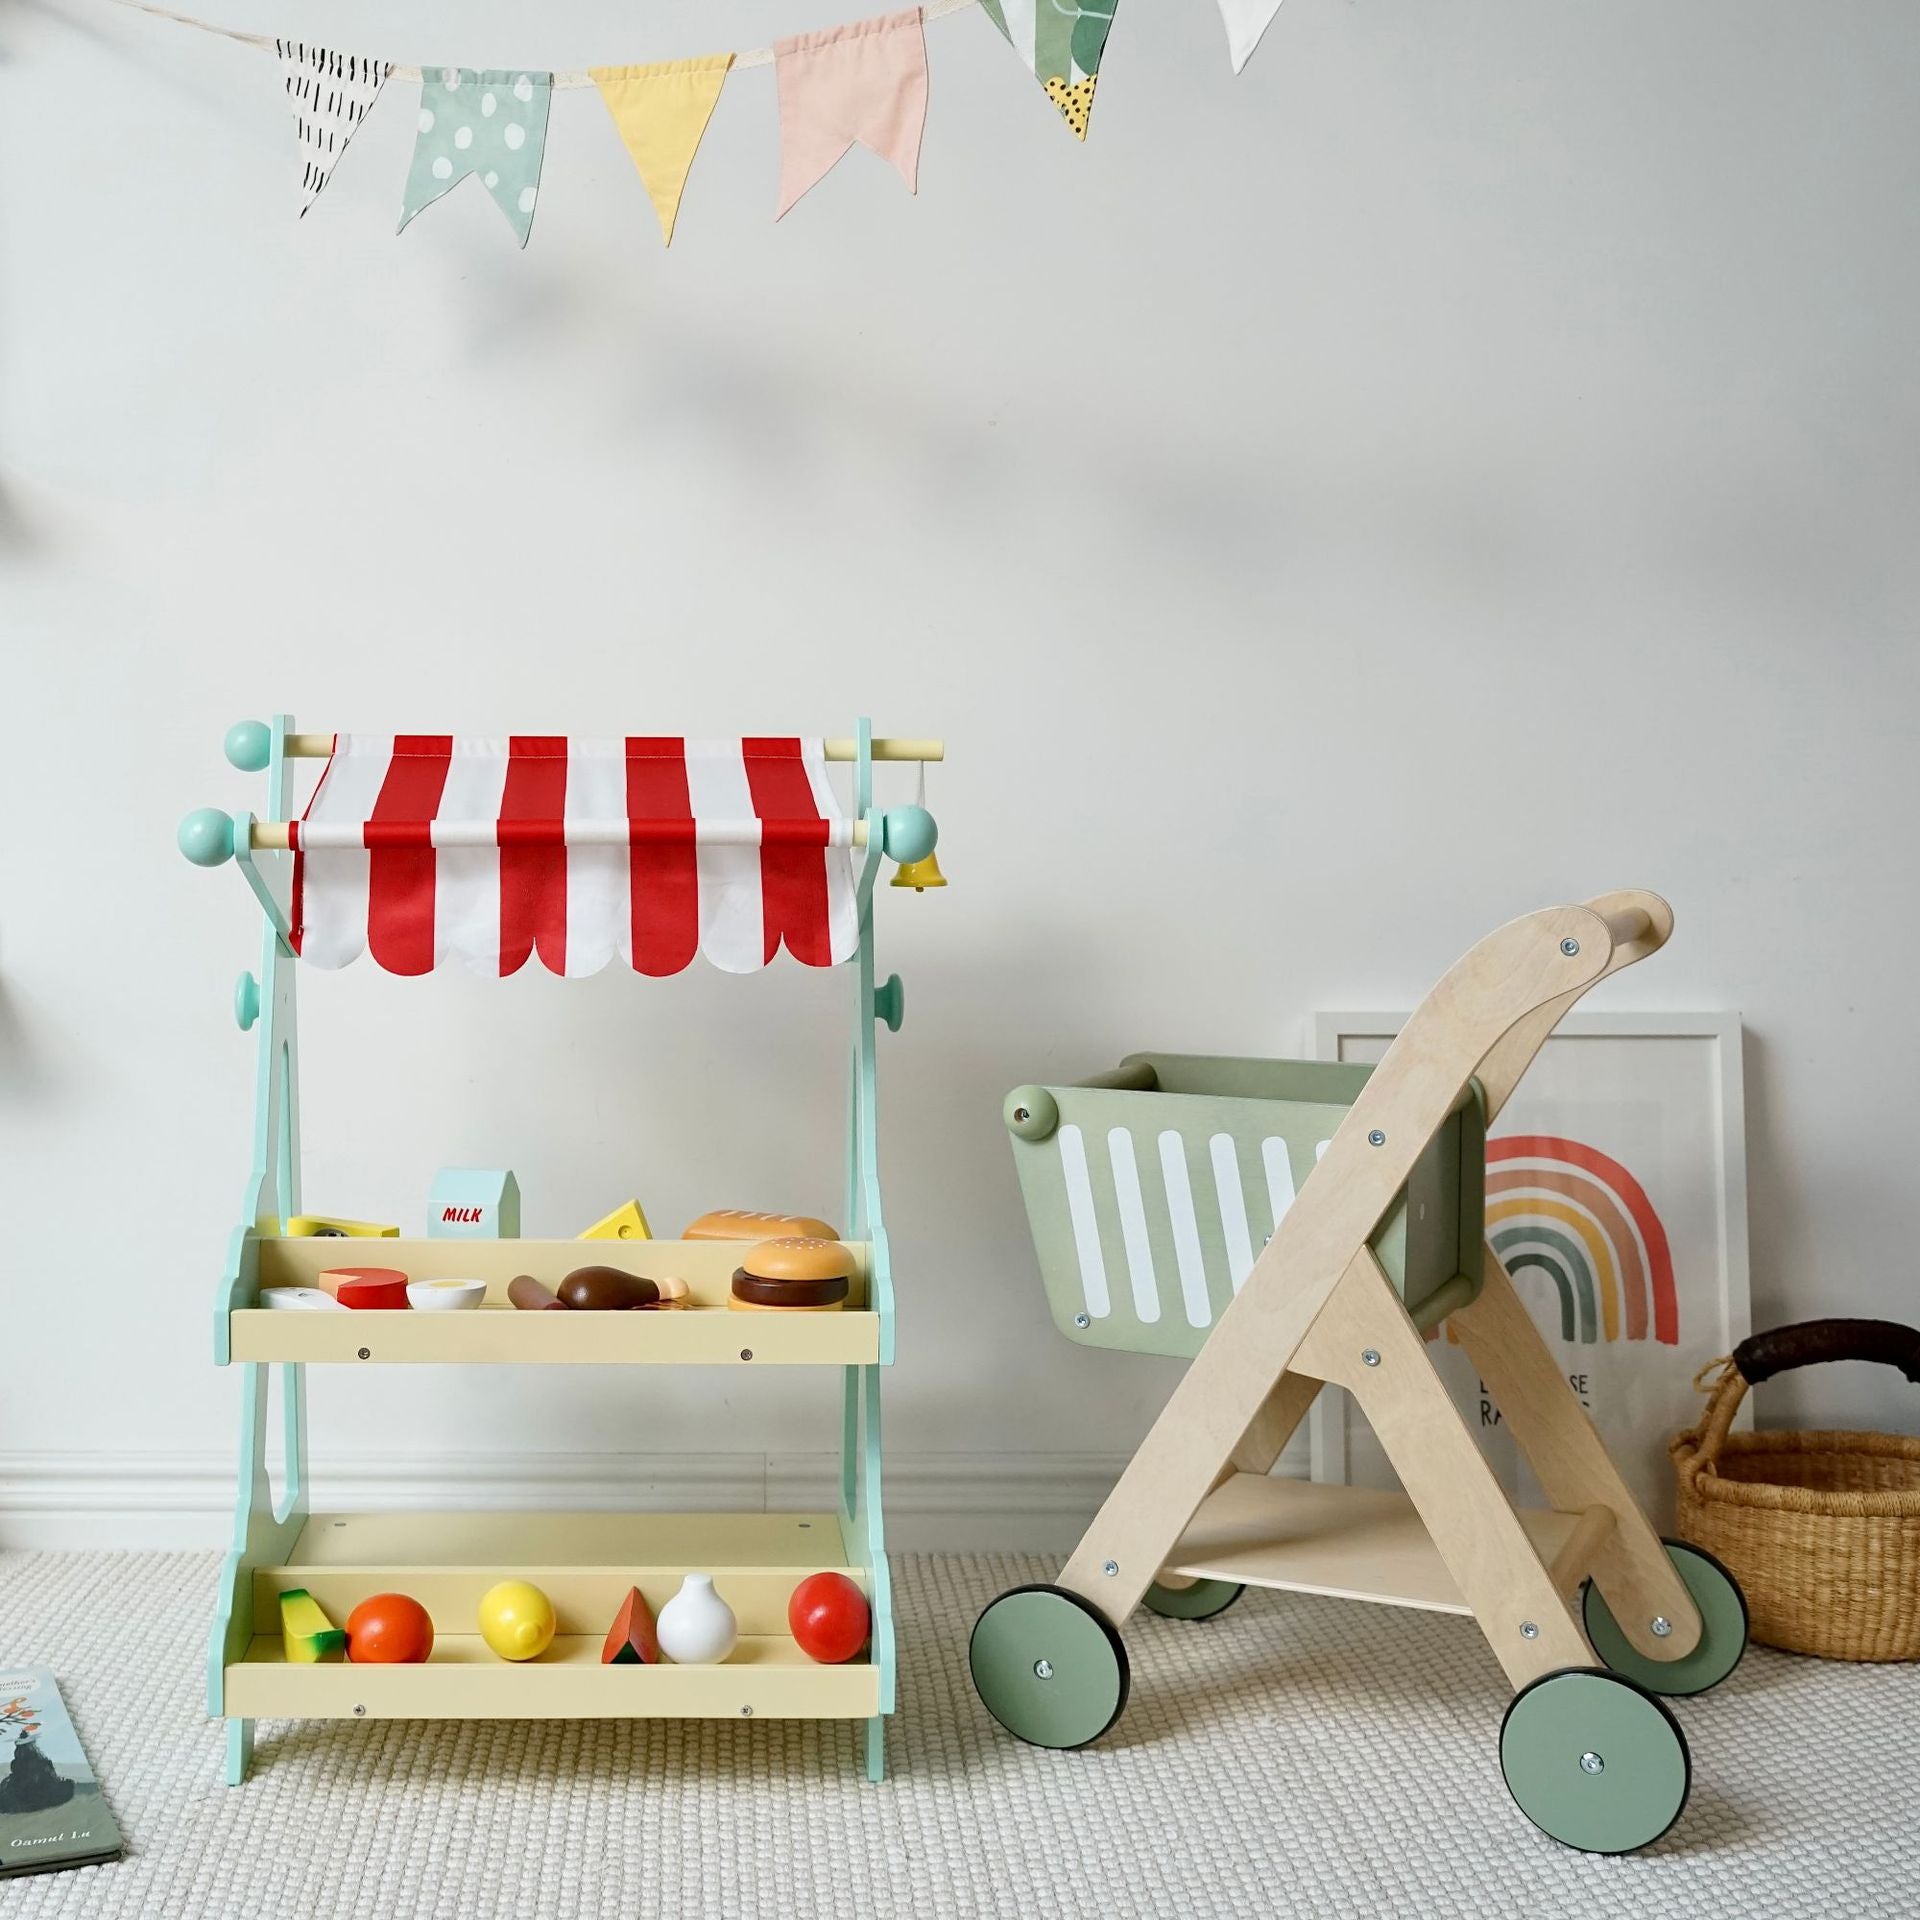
{"points": [[265, 1528]]}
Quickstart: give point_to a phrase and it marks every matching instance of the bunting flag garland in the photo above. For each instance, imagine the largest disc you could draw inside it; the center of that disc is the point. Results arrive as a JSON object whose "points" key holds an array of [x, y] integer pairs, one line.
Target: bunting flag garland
{"points": [[661, 112], [1062, 41], [1246, 21], [331, 93], [864, 82], [492, 124]]}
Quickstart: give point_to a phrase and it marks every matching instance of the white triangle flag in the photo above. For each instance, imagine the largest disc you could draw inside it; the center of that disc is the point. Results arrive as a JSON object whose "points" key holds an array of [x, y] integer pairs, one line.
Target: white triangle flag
{"points": [[330, 94], [1246, 21]]}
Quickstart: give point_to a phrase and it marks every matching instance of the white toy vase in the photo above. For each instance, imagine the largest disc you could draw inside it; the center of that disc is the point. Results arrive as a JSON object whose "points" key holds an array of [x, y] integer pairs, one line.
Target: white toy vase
{"points": [[696, 1627]]}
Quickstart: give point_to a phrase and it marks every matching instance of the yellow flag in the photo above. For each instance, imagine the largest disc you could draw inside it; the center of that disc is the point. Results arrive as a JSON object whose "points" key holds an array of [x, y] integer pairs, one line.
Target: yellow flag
{"points": [[661, 112]]}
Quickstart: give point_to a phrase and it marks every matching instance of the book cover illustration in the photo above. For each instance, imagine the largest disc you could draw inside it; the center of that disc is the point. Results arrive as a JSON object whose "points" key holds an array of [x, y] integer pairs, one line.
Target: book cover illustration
{"points": [[52, 1812]]}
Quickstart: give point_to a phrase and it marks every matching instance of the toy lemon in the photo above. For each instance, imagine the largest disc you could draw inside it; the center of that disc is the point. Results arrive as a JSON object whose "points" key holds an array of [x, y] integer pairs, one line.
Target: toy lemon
{"points": [[516, 1620]]}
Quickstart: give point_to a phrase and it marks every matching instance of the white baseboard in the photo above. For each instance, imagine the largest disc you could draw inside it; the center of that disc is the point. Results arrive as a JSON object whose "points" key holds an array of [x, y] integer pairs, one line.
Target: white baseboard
{"points": [[935, 1502]]}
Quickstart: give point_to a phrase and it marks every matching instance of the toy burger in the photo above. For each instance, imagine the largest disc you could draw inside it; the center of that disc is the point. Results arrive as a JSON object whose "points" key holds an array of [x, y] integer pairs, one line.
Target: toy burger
{"points": [[797, 1274]]}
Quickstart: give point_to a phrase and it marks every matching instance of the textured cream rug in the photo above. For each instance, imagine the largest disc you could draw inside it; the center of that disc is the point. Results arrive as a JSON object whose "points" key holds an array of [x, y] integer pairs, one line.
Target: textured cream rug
{"points": [[1294, 1756]]}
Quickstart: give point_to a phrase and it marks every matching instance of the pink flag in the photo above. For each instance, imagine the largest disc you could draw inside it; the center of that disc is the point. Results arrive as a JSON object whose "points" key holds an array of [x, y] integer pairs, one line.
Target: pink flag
{"points": [[865, 82]]}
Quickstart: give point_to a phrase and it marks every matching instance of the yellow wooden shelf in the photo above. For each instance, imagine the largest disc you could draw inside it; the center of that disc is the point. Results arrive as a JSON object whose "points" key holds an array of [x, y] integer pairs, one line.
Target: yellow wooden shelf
{"points": [[585, 1563], [706, 1333], [1355, 1543]]}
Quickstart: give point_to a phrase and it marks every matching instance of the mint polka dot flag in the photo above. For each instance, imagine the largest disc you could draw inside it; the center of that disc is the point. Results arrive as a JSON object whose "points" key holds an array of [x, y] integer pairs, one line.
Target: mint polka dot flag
{"points": [[490, 124]]}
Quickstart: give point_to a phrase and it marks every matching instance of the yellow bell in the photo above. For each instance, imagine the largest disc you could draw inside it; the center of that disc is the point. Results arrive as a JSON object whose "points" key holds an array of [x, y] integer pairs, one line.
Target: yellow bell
{"points": [[919, 874]]}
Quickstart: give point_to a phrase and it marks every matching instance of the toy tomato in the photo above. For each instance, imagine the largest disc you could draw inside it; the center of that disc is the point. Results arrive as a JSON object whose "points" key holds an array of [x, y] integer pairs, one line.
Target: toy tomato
{"points": [[828, 1617], [389, 1630]]}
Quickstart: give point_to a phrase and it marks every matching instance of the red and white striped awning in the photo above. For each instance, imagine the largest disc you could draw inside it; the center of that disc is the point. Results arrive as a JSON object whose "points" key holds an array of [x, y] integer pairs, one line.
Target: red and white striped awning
{"points": [[424, 848]]}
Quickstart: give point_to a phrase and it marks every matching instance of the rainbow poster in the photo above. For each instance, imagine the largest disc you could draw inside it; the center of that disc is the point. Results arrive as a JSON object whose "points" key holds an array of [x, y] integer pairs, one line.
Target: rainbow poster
{"points": [[1568, 1218]]}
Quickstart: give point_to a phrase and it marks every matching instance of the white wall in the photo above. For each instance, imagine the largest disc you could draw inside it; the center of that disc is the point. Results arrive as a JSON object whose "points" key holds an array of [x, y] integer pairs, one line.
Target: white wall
{"points": [[1467, 463]]}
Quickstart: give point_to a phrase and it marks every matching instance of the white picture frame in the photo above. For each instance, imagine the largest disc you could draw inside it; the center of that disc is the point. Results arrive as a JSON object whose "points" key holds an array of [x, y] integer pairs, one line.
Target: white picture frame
{"points": [[1656, 1103]]}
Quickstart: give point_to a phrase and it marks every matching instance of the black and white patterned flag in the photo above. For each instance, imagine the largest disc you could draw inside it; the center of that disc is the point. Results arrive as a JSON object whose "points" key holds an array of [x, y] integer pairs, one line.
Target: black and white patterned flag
{"points": [[330, 94]]}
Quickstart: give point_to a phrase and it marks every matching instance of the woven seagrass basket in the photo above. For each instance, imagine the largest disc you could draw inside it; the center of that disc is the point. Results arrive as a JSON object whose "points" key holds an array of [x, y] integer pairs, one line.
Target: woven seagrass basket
{"points": [[1822, 1530]]}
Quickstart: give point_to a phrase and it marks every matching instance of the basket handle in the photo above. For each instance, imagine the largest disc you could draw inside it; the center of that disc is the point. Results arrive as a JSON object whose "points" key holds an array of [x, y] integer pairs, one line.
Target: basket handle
{"points": [[1808, 1343]]}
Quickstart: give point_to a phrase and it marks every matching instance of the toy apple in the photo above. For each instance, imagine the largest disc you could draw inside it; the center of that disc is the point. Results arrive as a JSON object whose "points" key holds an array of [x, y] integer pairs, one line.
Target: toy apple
{"points": [[390, 1629], [828, 1617]]}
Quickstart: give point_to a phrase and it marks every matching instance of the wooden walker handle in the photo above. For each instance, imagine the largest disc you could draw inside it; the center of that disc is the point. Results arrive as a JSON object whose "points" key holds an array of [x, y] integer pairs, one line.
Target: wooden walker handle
{"points": [[1808, 1343]]}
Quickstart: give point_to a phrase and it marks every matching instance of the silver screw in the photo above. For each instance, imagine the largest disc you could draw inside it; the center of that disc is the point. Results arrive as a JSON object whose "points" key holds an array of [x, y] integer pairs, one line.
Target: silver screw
{"points": [[1592, 1763], [1368, 1357], [366, 1353], [746, 1353], [1021, 1116], [1569, 947], [361, 1712], [1081, 1320], [746, 1712], [1528, 1631], [1376, 1138], [1111, 1568], [1043, 1669], [1661, 1626]]}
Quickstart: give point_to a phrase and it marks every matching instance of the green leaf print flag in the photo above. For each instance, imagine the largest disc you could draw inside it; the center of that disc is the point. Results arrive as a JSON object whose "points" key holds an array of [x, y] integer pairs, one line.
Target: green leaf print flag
{"points": [[1062, 41], [492, 124]]}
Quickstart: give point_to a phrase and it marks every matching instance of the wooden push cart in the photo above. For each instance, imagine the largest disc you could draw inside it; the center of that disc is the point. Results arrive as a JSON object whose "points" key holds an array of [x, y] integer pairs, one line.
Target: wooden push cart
{"points": [[1149, 1190], [491, 852]]}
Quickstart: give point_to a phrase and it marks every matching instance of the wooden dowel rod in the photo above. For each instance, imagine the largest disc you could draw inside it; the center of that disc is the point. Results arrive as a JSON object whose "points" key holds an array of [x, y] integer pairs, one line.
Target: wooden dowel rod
{"points": [[1581, 1547], [1628, 925], [271, 836], [317, 746]]}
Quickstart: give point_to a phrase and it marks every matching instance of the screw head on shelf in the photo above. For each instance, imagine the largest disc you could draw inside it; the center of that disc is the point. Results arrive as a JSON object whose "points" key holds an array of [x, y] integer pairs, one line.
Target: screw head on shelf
{"points": [[1376, 1138], [359, 1710], [249, 745], [366, 1353], [746, 1353], [745, 1712]]}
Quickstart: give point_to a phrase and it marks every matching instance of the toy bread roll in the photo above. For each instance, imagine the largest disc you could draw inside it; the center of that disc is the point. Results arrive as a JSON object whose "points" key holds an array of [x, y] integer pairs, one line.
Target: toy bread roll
{"points": [[804, 1273], [735, 1223]]}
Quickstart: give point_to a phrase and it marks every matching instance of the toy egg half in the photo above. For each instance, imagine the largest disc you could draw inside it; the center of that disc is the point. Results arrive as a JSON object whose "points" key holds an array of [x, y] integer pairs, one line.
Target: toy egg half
{"points": [[445, 1296]]}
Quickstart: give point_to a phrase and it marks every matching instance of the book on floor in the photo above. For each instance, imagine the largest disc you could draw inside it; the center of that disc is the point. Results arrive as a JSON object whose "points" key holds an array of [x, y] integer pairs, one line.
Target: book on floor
{"points": [[52, 1812]]}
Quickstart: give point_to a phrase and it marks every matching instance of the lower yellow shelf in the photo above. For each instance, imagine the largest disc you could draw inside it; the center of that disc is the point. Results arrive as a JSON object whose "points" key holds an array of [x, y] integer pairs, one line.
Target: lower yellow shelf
{"points": [[584, 1563]]}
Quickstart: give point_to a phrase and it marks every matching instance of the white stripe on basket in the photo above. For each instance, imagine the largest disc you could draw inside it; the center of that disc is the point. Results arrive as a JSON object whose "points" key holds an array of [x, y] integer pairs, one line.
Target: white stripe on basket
{"points": [[1133, 1225], [1086, 1223], [1233, 1208], [1186, 1230]]}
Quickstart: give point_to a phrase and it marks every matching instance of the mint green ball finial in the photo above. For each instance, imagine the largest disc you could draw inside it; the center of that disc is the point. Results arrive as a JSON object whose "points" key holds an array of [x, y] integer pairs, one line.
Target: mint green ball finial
{"points": [[908, 833], [249, 745], [206, 837]]}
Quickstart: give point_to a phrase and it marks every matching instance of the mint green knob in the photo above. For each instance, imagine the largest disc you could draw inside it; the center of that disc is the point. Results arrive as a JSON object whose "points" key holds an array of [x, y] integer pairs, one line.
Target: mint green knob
{"points": [[246, 1001], [890, 1002], [206, 837], [249, 745], [908, 833], [1031, 1113]]}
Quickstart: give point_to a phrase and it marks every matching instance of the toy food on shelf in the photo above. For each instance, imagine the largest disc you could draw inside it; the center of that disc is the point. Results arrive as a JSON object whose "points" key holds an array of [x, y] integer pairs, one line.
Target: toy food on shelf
{"points": [[632, 1640], [798, 1274], [306, 1634], [735, 1223], [364, 1288], [445, 1296], [516, 1620], [696, 1626], [623, 1223], [473, 1203], [300, 1300], [828, 1616], [321, 1226], [390, 1629], [597, 1290]]}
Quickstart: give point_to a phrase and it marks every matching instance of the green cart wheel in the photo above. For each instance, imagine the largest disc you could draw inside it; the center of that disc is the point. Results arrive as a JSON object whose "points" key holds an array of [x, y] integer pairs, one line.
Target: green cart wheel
{"points": [[1201, 1601], [1049, 1667], [1594, 1760], [1723, 1628]]}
